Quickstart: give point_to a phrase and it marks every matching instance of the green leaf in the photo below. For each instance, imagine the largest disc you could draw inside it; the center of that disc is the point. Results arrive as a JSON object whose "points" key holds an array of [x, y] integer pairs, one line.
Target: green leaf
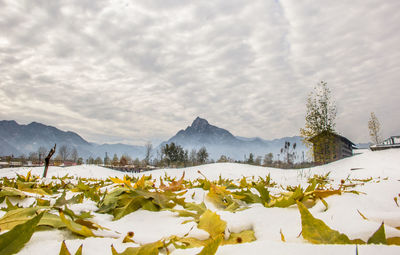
{"points": [[317, 232], [75, 227], [51, 220], [11, 192], [212, 247], [10, 206], [199, 208], [128, 204], [83, 215], [13, 241], [64, 250], [212, 223], [110, 200], [146, 249], [379, 236], [42, 202], [264, 193], [287, 199], [74, 200]]}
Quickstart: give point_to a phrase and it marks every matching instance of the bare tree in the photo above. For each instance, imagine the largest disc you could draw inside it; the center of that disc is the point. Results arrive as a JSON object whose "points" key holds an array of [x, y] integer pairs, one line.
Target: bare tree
{"points": [[193, 157], [374, 128], [149, 149], [64, 152], [268, 159], [74, 155], [42, 153], [47, 160], [33, 156]]}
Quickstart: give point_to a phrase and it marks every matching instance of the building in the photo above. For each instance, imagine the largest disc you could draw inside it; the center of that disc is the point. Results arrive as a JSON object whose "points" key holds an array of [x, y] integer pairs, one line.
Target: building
{"points": [[329, 147], [390, 143]]}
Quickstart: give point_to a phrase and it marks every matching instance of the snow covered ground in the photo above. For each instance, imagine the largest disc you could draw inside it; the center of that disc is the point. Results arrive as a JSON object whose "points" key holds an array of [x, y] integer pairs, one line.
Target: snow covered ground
{"points": [[375, 202]]}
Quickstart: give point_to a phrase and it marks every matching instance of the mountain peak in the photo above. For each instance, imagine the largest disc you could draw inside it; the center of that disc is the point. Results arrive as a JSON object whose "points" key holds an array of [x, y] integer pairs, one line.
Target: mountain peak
{"points": [[199, 122]]}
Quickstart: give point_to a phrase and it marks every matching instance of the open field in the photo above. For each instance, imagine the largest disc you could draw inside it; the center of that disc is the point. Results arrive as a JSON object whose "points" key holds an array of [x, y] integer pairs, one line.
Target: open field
{"points": [[234, 208]]}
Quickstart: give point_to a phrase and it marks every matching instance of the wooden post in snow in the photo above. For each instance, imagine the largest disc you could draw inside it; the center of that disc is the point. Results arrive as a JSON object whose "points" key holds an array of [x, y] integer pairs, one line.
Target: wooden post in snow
{"points": [[47, 160]]}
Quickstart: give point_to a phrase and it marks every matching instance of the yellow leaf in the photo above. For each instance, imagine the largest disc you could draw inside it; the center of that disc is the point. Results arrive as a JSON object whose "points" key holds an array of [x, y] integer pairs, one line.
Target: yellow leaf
{"points": [[362, 215], [64, 250], [393, 241], [282, 236], [75, 227], [140, 184], [212, 247], [245, 236], [16, 217], [212, 223], [146, 249]]}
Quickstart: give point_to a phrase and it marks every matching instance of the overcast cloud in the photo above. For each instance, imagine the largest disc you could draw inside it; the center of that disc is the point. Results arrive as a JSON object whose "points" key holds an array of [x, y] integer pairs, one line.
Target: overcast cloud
{"points": [[133, 71]]}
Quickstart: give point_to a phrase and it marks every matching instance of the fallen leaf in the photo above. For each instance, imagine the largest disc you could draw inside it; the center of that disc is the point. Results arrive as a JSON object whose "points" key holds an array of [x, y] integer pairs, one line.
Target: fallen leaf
{"points": [[13, 241], [379, 236]]}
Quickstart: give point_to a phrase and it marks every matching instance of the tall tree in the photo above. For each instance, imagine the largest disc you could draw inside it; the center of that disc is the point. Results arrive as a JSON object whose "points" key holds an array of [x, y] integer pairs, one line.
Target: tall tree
{"points": [[98, 161], [268, 158], [42, 153], [33, 156], [321, 112], [64, 152], [250, 160], [193, 157], [123, 161], [173, 154], [115, 160], [320, 120], [202, 155], [148, 150], [74, 155], [289, 153], [374, 129]]}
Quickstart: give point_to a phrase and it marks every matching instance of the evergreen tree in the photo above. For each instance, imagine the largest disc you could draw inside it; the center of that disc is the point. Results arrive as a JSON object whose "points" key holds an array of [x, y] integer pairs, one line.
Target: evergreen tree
{"points": [[115, 160], [174, 154], [202, 155], [250, 160]]}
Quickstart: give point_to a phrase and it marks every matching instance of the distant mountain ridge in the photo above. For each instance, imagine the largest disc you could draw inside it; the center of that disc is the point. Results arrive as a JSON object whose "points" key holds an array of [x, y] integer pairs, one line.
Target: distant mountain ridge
{"points": [[16, 139], [219, 141]]}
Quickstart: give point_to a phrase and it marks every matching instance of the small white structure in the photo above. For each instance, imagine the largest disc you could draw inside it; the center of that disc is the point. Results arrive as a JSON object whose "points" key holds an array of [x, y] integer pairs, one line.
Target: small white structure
{"points": [[389, 143]]}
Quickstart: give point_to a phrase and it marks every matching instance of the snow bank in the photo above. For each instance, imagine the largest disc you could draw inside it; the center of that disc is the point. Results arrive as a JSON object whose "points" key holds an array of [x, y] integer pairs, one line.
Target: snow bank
{"points": [[375, 202]]}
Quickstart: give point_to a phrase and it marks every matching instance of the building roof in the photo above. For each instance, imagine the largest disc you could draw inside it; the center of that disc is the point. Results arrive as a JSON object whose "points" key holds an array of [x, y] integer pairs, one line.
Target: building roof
{"points": [[312, 139]]}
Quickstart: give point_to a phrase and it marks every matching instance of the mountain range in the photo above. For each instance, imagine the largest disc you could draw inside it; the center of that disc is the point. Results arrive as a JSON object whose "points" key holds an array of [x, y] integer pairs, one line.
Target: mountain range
{"points": [[220, 141], [19, 139]]}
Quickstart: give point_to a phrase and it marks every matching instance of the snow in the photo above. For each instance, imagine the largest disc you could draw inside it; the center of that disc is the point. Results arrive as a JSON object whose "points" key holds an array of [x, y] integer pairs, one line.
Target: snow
{"points": [[376, 202]]}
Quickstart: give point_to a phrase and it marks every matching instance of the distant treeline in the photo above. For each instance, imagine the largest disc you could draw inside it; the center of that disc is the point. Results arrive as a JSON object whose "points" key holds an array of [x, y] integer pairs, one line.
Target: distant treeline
{"points": [[170, 155]]}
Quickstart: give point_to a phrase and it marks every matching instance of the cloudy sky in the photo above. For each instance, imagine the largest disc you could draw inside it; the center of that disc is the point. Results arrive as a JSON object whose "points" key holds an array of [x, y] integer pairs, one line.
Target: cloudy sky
{"points": [[133, 71]]}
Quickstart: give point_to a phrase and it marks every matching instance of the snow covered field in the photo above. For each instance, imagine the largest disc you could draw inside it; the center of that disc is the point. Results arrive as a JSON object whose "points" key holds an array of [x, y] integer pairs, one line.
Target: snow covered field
{"points": [[375, 176]]}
